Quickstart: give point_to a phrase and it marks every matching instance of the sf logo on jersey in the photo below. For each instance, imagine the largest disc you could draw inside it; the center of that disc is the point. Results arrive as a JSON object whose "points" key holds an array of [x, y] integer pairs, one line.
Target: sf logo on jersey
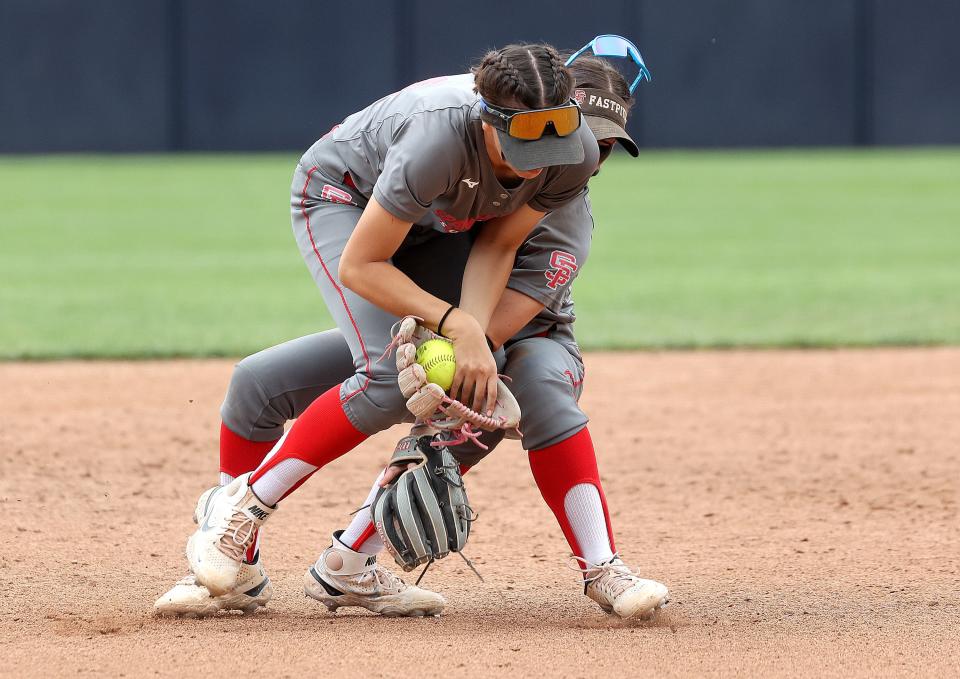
{"points": [[333, 194], [564, 264]]}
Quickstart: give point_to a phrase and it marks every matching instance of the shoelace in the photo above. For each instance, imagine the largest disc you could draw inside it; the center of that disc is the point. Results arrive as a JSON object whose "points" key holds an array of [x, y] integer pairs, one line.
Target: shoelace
{"points": [[238, 535], [619, 576], [384, 579]]}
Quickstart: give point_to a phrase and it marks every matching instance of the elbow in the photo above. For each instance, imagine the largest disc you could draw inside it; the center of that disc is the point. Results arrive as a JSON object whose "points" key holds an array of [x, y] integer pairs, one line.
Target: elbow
{"points": [[349, 274]]}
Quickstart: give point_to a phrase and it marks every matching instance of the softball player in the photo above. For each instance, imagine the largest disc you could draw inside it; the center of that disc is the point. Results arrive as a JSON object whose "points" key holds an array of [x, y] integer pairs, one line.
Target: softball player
{"points": [[542, 359], [432, 158]]}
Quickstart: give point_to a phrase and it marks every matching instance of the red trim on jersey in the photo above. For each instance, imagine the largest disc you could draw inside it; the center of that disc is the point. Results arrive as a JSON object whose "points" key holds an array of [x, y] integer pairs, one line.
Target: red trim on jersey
{"points": [[560, 467], [333, 282]]}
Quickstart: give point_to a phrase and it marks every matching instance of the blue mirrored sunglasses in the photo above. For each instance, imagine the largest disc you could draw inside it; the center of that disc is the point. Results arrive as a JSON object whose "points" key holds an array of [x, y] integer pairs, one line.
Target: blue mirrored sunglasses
{"points": [[615, 46]]}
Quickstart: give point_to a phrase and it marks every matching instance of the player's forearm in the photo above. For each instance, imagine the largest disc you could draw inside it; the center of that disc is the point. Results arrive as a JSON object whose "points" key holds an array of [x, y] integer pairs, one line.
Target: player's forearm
{"points": [[491, 261], [484, 279], [364, 267], [384, 285], [513, 312]]}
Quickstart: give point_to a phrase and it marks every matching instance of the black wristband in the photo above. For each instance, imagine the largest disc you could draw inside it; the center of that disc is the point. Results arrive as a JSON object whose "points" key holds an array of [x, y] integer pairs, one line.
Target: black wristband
{"points": [[443, 318]]}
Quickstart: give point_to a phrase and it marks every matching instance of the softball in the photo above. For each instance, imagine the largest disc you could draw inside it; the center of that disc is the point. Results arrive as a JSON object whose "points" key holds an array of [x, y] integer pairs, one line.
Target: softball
{"points": [[437, 358]]}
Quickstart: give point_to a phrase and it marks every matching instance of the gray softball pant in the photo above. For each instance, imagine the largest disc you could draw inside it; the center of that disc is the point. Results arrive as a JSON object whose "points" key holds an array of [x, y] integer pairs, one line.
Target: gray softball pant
{"points": [[277, 384]]}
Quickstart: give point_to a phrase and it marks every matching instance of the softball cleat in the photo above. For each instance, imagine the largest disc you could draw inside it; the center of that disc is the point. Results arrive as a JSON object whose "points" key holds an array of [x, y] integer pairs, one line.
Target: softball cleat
{"points": [[342, 577], [252, 590], [228, 519], [619, 590]]}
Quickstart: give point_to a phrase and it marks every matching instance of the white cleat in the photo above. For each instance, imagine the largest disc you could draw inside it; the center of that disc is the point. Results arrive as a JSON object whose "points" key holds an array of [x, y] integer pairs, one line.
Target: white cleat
{"points": [[619, 590], [228, 518], [343, 577], [253, 589]]}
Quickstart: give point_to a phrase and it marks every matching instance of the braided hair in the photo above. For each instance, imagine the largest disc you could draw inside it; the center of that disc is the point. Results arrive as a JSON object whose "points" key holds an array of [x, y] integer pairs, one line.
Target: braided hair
{"points": [[523, 76]]}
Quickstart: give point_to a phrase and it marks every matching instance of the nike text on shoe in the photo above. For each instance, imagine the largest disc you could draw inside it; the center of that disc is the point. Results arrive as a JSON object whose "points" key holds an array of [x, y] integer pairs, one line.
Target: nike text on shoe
{"points": [[619, 590], [228, 519], [252, 590], [343, 577]]}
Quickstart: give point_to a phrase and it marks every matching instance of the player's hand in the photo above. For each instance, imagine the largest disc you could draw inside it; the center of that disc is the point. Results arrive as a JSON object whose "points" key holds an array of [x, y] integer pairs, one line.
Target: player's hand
{"points": [[392, 471], [475, 379]]}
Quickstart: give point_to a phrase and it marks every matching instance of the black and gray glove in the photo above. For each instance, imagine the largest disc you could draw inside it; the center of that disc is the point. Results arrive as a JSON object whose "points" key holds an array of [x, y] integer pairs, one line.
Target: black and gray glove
{"points": [[424, 514]]}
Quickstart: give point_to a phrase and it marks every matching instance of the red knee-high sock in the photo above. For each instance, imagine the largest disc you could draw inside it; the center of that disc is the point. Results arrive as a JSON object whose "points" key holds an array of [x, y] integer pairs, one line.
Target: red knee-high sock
{"points": [[239, 455], [560, 467], [320, 435]]}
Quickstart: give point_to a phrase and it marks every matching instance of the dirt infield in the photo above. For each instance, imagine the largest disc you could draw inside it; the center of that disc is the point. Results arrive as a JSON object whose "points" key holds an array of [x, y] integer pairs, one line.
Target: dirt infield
{"points": [[802, 507]]}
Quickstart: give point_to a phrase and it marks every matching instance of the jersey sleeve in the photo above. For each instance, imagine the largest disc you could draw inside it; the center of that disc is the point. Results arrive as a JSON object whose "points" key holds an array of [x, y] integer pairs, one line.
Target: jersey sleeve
{"points": [[550, 259], [564, 183], [425, 158]]}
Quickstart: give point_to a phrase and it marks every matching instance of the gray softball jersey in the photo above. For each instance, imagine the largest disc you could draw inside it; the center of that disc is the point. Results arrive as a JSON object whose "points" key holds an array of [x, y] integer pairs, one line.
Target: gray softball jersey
{"points": [[421, 153]]}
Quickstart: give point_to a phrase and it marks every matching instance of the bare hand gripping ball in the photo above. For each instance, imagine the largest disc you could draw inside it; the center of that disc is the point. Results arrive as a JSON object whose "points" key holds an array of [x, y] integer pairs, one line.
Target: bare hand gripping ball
{"points": [[427, 397], [438, 360]]}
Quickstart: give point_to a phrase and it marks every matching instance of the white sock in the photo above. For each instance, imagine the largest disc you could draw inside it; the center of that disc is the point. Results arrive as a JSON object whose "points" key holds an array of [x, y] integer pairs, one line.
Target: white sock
{"points": [[587, 521], [360, 523], [373, 545], [278, 480], [225, 478], [273, 451]]}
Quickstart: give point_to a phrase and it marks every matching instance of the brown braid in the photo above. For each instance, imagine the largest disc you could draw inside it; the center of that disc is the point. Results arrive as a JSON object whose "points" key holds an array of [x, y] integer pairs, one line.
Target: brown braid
{"points": [[511, 86], [523, 76], [562, 78]]}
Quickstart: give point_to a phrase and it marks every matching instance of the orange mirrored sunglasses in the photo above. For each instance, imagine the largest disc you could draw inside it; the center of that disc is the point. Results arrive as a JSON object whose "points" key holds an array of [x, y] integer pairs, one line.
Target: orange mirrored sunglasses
{"points": [[533, 124]]}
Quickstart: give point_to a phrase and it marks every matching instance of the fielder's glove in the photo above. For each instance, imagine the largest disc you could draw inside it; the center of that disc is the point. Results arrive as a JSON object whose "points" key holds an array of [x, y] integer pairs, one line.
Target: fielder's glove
{"points": [[431, 405], [423, 514]]}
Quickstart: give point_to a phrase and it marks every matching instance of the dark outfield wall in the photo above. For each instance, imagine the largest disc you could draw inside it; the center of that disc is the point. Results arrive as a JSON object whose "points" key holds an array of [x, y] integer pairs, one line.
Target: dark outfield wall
{"points": [[150, 75]]}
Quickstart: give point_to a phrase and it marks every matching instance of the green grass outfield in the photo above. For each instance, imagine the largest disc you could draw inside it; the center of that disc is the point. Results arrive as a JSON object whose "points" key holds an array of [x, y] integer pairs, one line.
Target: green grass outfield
{"points": [[145, 256]]}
